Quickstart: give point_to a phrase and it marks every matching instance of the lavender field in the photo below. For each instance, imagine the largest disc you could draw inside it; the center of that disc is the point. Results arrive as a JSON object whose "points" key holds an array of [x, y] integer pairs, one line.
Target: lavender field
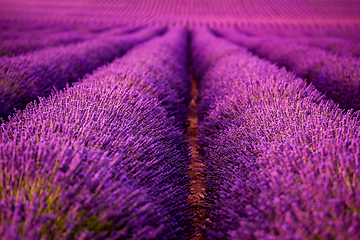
{"points": [[182, 119]]}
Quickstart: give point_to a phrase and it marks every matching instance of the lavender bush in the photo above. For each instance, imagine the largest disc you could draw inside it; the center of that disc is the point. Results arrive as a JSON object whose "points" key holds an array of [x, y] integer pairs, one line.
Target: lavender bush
{"points": [[161, 69], [12, 47], [339, 44], [25, 44], [25, 77], [33, 30], [336, 76], [52, 190], [326, 33], [127, 128], [282, 162]]}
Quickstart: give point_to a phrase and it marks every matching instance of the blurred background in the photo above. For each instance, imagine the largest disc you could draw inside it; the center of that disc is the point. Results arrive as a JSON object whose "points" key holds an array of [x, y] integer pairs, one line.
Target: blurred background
{"points": [[285, 13]]}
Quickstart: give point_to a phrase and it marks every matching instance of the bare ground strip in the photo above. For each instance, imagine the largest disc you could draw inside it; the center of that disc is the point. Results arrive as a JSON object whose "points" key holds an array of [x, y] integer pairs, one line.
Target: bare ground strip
{"points": [[197, 182]]}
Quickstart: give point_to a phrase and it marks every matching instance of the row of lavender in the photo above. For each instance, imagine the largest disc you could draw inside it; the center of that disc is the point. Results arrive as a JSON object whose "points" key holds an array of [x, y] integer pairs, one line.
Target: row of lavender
{"points": [[339, 42], [23, 78], [15, 43], [282, 161], [106, 158], [337, 76], [312, 32]]}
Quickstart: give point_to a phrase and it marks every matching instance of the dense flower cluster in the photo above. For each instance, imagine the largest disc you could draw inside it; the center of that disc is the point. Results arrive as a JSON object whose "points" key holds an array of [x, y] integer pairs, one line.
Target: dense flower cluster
{"points": [[282, 161], [101, 159]]}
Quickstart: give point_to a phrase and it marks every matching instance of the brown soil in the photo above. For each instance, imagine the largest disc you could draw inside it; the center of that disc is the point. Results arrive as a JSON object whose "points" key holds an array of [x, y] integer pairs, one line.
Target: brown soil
{"points": [[197, 182]]}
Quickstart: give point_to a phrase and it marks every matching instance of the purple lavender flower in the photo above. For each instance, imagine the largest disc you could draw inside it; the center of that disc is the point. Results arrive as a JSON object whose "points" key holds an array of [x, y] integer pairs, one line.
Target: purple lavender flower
{"points": [[335, 76], [26, 77], [116, 161], [281, 159]]}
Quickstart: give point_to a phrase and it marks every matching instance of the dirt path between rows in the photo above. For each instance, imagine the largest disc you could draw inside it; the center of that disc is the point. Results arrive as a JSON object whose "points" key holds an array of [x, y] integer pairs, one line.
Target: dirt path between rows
{"points": [[197, 182]]}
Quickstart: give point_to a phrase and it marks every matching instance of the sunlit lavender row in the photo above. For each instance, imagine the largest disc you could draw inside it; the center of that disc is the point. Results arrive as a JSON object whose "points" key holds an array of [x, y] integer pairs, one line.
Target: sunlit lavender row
{"points": [[105, 158], [282, 161]]}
